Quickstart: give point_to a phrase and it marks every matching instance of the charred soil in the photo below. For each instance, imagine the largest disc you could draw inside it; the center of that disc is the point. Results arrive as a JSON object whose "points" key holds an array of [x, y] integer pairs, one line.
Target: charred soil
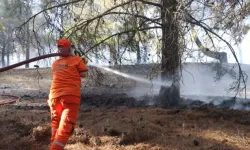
{"points": [[111, 119]]}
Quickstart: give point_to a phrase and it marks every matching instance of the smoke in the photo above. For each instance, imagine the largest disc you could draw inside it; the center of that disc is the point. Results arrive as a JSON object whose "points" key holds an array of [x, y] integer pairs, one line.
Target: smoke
{"points": [[197, 83], [144, 88], [148, 89], [199, 79]]}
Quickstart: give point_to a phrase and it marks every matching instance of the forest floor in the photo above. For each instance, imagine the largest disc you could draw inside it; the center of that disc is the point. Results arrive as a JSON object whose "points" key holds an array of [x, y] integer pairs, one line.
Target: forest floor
{"points": [[110, 119]]}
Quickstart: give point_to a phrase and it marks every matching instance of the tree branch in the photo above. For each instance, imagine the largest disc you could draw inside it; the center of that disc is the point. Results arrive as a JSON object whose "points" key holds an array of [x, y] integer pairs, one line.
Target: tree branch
{"points": [[155, 27], [150, 3], [241, 73], [60, 5], [76, 1], [110, 13]]}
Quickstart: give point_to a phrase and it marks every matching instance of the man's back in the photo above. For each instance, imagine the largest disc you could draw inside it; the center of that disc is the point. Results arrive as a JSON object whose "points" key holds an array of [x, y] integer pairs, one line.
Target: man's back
{"points": [[66, 77]]}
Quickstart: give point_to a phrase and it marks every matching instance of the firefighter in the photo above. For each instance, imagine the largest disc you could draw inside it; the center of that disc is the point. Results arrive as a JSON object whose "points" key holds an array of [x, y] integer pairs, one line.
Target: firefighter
{"points": [[64, 97]]}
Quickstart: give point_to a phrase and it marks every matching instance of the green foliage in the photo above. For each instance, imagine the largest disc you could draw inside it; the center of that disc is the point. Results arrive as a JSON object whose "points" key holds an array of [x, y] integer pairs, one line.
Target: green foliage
{"points": [[1, 27]]}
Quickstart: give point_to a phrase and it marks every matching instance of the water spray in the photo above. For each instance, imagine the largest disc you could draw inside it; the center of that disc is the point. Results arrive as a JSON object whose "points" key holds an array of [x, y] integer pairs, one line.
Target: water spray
{"points": [[139, 79]]}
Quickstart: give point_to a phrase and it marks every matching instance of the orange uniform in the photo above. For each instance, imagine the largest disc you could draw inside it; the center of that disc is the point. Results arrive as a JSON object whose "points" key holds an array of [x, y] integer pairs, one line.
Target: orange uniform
{"points": [[66, 77], [64, 98]]}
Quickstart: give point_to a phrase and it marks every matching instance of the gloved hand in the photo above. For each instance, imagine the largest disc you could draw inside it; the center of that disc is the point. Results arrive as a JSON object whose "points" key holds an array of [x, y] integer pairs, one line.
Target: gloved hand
{"points": [[85, 60]]}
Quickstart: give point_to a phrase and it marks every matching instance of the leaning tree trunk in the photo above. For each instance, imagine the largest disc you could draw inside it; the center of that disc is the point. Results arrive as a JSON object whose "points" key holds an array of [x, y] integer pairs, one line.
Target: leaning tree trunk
{"points": [[170, 94]]}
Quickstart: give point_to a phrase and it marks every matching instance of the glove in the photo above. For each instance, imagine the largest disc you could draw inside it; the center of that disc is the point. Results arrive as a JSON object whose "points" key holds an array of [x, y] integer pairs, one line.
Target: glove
{"points": [[85, 60]]}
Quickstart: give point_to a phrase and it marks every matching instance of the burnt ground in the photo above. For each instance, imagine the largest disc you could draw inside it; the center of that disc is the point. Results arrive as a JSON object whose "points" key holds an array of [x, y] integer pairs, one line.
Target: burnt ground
{"points": [[110, 118]]}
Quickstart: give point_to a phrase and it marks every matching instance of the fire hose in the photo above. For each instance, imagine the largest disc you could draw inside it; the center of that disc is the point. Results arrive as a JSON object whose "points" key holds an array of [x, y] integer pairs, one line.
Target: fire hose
{"points": [[84, 57], [15, 98], [31, 60]]}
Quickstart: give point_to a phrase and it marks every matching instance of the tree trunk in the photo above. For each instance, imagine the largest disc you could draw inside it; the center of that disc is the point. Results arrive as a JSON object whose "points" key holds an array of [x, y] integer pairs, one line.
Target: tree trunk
{"points": [[113, 54], [96, 56], [8, 54], [138, 52], [8, 43], [3, 50], [3, 54], [145, 54], [170, 94], [27, 52], [18, 56]]}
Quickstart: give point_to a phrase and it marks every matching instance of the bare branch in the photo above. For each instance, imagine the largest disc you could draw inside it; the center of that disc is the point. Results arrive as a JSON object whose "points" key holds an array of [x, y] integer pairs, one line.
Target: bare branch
{"points": [[110, 13], [60, 5], [241, 73]]}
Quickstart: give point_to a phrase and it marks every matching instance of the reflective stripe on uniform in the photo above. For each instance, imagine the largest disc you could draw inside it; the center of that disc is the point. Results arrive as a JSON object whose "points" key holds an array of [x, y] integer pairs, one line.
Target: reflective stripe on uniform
{"points": [[58, 143], [54, 129]]}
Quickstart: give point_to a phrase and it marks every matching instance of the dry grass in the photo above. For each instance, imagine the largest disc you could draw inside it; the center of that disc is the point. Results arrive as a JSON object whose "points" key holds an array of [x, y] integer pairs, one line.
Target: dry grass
{"points": [[128, 129]]}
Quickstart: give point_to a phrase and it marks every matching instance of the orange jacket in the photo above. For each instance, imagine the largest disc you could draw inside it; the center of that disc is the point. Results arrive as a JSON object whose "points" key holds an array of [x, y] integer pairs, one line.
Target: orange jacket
{"points": [[66, 77]]}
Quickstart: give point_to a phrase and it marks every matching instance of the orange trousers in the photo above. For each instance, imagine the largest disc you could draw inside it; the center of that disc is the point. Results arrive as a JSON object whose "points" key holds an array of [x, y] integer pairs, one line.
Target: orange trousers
{"points": [[64, 111]]}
